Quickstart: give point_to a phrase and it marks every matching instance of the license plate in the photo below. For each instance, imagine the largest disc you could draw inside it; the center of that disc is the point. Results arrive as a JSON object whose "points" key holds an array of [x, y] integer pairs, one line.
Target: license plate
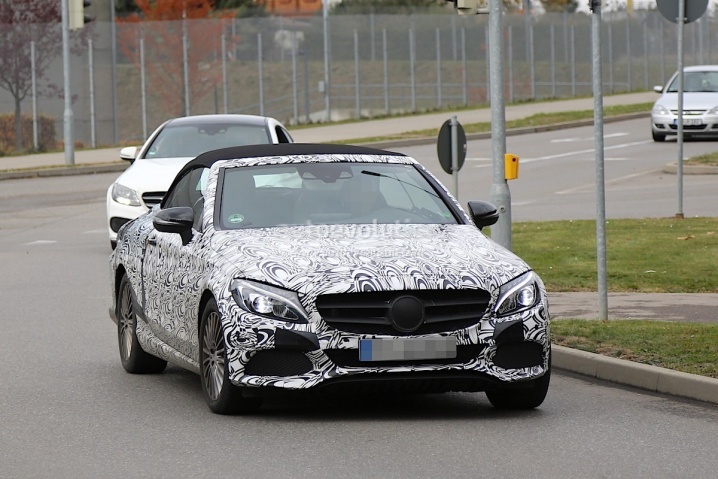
{"points": [[690, 122], [406, 349]]}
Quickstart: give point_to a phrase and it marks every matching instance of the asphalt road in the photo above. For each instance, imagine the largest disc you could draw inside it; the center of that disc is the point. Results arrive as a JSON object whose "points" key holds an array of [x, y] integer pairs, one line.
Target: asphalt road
{"points": [[68, 409]]}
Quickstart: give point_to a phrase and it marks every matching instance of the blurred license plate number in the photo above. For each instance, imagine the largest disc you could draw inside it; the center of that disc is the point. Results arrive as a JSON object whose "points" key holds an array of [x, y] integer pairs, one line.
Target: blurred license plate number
{"points": [[690, 122], [406, 349]]}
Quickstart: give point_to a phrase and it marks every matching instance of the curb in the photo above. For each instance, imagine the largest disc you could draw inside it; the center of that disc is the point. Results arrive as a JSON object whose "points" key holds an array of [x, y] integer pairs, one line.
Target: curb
{"points": [[643, 376], [672, 168], [63, 171]]}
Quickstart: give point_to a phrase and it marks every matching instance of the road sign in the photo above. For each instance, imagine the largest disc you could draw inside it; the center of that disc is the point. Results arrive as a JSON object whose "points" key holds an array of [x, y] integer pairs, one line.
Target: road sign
{"points": [[443, 146], [694, 9]]}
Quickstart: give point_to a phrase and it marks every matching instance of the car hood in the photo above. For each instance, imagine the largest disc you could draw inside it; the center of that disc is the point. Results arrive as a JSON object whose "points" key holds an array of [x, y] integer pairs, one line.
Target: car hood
{"points": [[155, 174], [691, 101], [320, 259]]}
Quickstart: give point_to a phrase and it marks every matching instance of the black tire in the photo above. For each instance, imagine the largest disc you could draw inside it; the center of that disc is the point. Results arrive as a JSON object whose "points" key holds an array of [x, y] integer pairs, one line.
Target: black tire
{"points": [[658, 136], [134, 359], [529, 398], [221, 395]]}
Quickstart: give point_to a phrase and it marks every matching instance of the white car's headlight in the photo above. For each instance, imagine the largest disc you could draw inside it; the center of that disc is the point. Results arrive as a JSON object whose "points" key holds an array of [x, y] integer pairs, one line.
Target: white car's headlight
{"points": [[268, 301], [518, 295], [125, 196], [660, 110], [713, 111]]}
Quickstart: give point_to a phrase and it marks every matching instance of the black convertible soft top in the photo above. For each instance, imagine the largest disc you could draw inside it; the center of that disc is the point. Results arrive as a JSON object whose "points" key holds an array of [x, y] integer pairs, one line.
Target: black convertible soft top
{"points": [[282, 149]]}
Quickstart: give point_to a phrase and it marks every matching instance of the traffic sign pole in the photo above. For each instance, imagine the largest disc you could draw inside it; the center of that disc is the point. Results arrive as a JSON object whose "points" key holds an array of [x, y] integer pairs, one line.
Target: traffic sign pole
{"points": [[455, 155]]}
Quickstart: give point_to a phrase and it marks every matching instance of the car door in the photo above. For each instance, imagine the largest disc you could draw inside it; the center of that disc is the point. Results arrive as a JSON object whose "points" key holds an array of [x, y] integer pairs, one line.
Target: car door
{"points": [[173, 272]]}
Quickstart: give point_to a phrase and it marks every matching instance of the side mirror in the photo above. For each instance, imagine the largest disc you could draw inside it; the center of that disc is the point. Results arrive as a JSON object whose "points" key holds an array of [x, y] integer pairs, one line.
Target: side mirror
{"points": [[483, 213], [129, 153], [175, 220], [658, 88]]}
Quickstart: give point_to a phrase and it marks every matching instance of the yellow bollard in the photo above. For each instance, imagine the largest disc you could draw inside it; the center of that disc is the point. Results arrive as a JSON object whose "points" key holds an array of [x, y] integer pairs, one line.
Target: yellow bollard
{"points": [[511, 166]]}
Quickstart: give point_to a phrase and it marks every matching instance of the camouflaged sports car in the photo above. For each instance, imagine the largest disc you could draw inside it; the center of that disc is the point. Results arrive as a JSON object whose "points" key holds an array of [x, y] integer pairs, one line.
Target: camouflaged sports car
{"points": [[302, 267]]}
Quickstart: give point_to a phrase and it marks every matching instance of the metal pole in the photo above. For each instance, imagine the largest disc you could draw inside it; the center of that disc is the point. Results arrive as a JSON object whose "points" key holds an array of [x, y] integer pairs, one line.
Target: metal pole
{"points": [[464, 74], [35, 142], [553, 63], [386, 71], [455, 155], [438, 68], [325, 22], [629, 60], [113, 34], [225, 100], [573, 61], [500, 194], [68, 119], [510, 60], [295, 92], [599, 147], [680, 21], [91, 68], [185, 62], [260, 66], [357, 94], [143, 86], [412, 60]]}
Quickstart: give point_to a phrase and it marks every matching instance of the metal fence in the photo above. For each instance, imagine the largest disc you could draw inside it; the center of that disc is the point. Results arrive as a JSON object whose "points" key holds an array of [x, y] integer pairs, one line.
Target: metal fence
{"points": [[127, 78]]}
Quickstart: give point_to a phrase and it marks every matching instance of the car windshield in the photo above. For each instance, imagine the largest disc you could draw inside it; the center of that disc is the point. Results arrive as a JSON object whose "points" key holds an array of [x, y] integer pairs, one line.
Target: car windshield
{"points": [[329, 193], [176, 141], [705, 81]]}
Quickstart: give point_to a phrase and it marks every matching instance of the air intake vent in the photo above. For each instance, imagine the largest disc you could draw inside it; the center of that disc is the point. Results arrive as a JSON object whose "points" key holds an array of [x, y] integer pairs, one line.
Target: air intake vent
{"points": [[152, 198]]}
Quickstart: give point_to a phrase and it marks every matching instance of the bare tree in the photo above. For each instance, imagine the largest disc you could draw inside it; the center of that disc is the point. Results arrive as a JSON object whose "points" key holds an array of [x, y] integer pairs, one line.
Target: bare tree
{"points": [[22, 22]]}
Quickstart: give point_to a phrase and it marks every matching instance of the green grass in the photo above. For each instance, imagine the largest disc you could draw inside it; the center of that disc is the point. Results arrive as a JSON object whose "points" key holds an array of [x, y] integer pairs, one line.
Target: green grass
{"points": [[662, 255], [707, 159], [687, 347], [540, 119]]}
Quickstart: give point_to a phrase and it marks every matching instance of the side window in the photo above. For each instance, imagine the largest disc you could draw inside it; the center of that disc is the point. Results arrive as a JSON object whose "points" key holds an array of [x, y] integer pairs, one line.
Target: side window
{"points": [[189, 191], [283, 135]]}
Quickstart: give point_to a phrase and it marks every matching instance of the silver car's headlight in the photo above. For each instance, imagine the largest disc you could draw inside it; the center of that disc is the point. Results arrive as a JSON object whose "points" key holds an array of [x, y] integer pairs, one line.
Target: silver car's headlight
{"points": [[268, 301], [518, 295], [125, 196], [660, 110]]}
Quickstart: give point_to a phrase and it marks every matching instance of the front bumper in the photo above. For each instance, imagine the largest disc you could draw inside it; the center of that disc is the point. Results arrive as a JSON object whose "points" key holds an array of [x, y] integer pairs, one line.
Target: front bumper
{"points": [[704, 125], [269, 354]]}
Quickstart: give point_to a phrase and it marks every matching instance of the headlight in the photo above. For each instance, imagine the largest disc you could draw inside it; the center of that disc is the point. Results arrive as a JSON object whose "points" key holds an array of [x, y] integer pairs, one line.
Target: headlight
{"points": [[713, 111], [660, 110], [518, 295], [268, 301], [124, 195]]}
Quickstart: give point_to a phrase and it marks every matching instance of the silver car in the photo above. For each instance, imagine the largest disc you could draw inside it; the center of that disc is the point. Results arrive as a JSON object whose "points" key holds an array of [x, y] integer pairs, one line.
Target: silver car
{"points": [[700, 104]]}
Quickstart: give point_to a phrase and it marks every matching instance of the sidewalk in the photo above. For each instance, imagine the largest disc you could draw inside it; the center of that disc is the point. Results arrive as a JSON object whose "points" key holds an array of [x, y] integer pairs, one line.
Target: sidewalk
{"points": [[673, 307]]}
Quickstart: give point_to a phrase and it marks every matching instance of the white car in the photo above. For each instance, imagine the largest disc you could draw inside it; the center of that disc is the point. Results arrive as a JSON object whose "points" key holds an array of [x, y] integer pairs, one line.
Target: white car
{"points": [[700, 104], [169, 148]]}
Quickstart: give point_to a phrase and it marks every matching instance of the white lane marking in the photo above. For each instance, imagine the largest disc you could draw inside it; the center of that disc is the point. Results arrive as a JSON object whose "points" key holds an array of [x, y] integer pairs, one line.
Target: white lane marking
{"points": [[615, 180], [522, 203], [586, 138], [93, 232], [41, 242], [583, 152]]}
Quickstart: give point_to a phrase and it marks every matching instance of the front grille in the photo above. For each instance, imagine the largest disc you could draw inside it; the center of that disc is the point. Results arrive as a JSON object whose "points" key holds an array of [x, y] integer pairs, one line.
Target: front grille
{"points": [[152, 198], [370, 312], [350, 358], [278, 362], [689, 112]]}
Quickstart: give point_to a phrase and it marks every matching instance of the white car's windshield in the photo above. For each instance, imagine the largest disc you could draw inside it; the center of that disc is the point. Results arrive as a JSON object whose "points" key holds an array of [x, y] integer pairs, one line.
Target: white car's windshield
{"points": [[706, 81], [329, 193], [175, 141]]}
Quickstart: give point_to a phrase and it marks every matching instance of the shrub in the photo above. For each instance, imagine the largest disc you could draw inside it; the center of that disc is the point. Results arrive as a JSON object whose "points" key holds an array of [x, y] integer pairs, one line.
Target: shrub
{"points": [[45, 134]]}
